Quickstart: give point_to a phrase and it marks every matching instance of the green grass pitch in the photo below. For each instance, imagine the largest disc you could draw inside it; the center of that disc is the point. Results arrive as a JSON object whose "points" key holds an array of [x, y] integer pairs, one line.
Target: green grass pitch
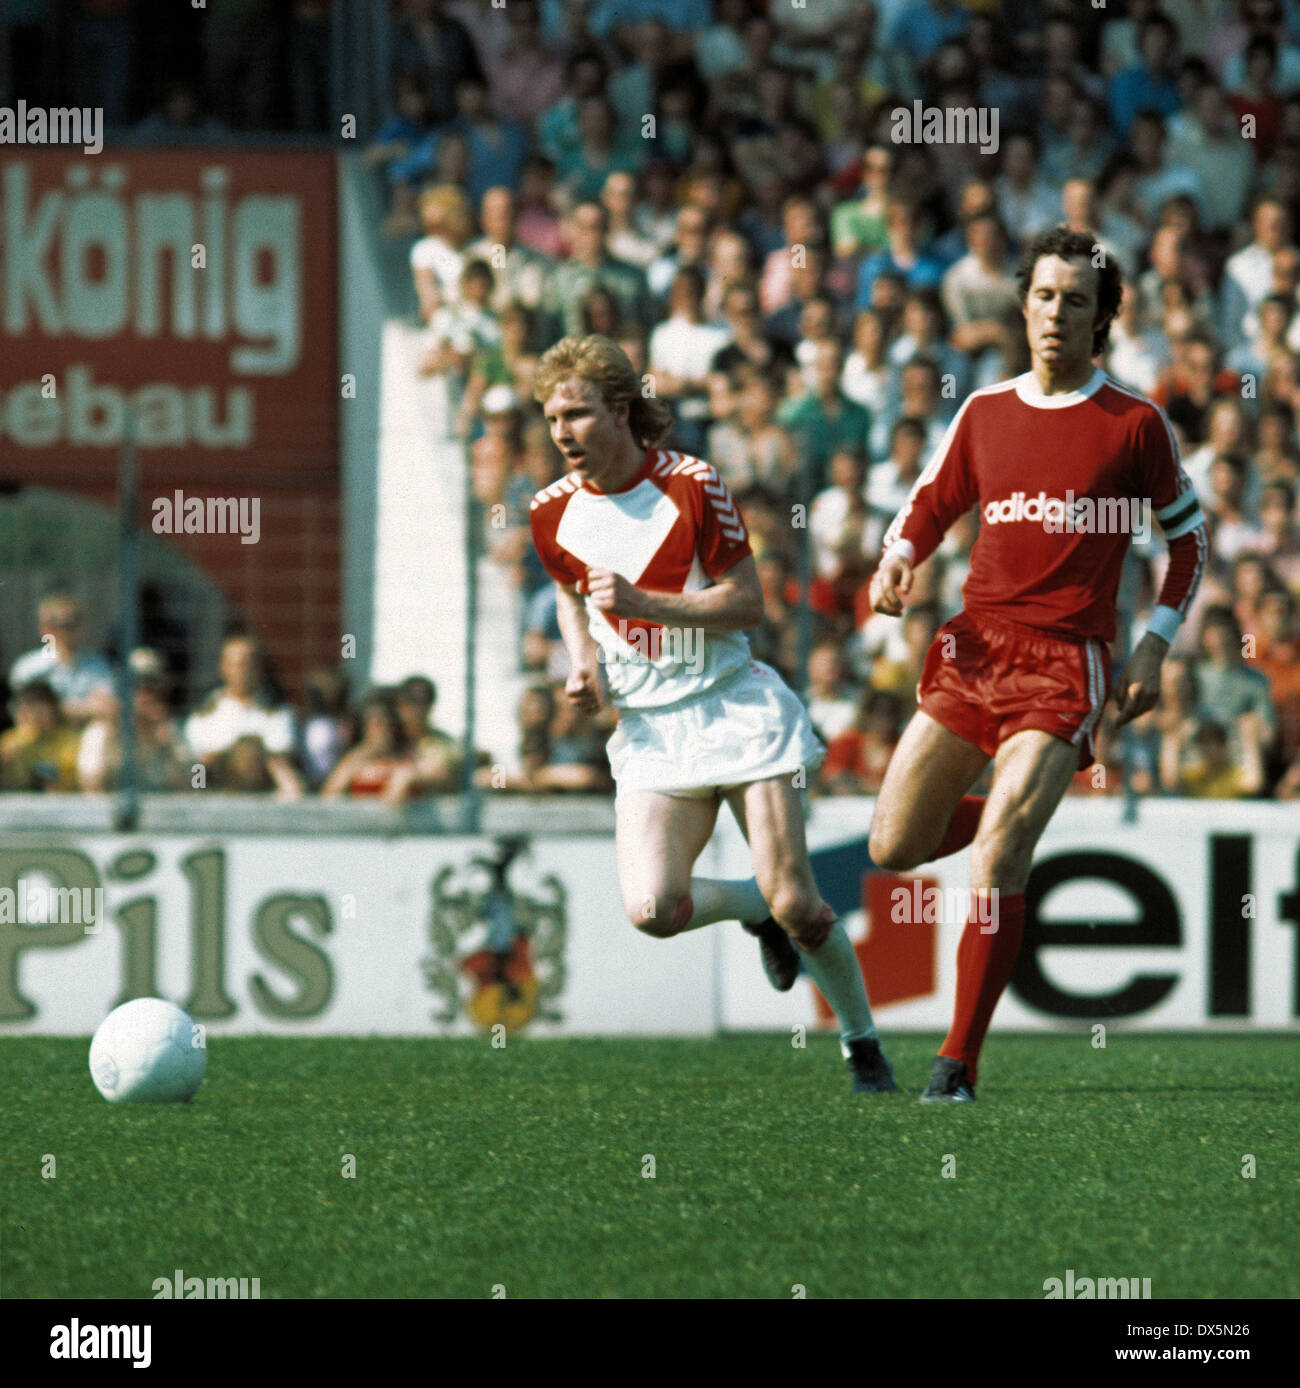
{"points": [[527, 1168]]}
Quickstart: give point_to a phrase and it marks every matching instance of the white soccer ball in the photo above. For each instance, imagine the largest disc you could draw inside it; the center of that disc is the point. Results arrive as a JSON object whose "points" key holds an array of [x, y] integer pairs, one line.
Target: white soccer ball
{"points": [[145, 1051]]}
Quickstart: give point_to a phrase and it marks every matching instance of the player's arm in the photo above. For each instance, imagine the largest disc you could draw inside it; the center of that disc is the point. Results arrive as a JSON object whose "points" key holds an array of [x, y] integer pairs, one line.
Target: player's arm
{"points": [[583, 683], [733, 603], [1182, 523], [944, 491]]}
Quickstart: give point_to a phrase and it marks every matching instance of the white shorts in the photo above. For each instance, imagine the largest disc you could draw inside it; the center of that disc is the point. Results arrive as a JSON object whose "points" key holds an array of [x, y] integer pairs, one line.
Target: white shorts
{"points": [[750, 727]]}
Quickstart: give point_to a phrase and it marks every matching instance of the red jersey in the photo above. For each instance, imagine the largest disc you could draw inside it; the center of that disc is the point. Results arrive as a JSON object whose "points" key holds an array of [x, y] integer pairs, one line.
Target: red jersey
{"points": [[1063, 483], [673, 528]]}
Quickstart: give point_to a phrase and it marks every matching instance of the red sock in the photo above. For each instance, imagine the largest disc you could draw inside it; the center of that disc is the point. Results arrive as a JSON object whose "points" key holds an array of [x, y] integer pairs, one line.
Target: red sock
{"points": [[961, 827], [984, 964]]}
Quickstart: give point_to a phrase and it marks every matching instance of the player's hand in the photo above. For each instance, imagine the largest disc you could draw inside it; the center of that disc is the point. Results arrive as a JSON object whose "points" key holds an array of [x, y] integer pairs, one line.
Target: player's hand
{"points": [[583, 688], [612, 593], [890, 584], [1138, 689]]}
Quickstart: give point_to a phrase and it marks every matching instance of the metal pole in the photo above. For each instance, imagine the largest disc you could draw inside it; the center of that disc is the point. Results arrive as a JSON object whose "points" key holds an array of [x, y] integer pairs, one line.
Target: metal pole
{"points": [[471, 799], [804, 575], [126, 810], [1127, 583]]}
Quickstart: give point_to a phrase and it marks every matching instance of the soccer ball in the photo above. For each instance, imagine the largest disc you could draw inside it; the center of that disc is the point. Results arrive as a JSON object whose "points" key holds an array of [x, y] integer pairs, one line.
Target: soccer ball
{"points": [[146, 1051]]}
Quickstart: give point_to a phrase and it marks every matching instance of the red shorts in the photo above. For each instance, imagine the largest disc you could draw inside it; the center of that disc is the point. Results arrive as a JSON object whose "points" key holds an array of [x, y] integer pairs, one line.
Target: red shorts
{"points": [[986, 680]]}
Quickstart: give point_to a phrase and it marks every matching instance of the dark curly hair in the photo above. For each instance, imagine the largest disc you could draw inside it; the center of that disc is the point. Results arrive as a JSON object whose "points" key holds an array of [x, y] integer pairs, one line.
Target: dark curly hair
{"points": [[1076, 245]]}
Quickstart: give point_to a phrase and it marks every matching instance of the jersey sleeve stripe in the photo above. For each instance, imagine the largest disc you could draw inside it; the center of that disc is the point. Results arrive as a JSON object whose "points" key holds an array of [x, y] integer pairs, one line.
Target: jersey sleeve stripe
{"points": [[928, 474]]}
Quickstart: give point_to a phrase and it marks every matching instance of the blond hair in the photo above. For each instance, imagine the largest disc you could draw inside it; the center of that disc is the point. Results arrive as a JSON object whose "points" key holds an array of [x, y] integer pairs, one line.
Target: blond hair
{"points": [[449, 209], [604, 363]]}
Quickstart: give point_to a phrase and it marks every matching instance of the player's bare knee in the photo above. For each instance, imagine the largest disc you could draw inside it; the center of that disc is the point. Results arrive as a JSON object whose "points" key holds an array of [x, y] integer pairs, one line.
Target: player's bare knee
{"points": [[892, 851], [661, 916], [794, 905]]}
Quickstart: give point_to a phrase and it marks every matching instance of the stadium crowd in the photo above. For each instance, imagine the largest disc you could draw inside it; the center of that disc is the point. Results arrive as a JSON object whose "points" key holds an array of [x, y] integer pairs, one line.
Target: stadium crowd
{"points": [[716, 186]]}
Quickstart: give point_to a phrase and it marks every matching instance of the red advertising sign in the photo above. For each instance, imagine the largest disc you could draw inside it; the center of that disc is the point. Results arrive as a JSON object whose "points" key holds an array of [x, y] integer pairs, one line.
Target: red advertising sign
{"points": [[195, 289]]}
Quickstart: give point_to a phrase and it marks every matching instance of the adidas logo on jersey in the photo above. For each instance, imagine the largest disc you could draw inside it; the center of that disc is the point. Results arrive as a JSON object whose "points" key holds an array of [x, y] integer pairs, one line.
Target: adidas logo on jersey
{"points": [[1084, 515]]}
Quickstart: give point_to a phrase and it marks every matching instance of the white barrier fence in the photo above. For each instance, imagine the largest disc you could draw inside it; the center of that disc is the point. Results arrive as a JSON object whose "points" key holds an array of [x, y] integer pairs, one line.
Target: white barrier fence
{"points": [[1187, 919]]}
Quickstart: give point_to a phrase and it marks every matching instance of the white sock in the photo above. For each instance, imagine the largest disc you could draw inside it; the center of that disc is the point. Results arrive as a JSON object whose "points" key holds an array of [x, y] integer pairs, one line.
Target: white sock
{"points": [[834, 969], [716, 899]]}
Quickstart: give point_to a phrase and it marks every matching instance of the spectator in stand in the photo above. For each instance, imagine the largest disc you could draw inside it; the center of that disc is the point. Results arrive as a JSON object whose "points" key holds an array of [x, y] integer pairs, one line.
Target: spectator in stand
{"points": [[81, 679], [920, 396], [437, 47], [748, 345], [682, 350], [979, 291], [858, 225], [841, 536], [1281, 542], [460, 331], [1189, 387], [1170, 264], [591, 264], [904, 254], [537, 223], [1137, 352], [497, 149], [1251, 576], [807, 282], [1229, 688], [890, 483], [1275, 450], [624, 240], [410, 124], [507, 363], [519, 273], [750, 449], [1278, 658], [823, 420], [868, 377], [528, 77], [1248, 275], [857, 759], [1211, 149], [832, 704], [690, 247], [1268, 345], [1149, 85], [1159, 179], [731, 266], [1231, 529], [1257, 97], [600, 151], [242, 706], [1210, 767], [1227, 432], [381, 763], [802, 229], [436, 755], [180, 118], [239, 63], [161, 760], [40, 751], [925, 333], [438, 258], [328, 727], [1027, 203]]}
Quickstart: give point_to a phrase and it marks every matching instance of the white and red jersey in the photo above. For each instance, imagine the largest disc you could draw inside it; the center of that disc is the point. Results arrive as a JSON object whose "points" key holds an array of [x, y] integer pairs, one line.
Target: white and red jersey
{"points": [[673, 528], [1062, 482]]}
